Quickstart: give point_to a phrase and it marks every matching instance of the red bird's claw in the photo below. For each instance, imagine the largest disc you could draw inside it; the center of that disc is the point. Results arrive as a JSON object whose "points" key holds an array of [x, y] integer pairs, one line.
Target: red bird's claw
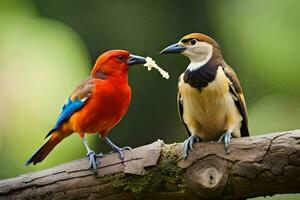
{"points": [[93, 163], [100, 155], [127, 148], [120, 151], [121, 155]]}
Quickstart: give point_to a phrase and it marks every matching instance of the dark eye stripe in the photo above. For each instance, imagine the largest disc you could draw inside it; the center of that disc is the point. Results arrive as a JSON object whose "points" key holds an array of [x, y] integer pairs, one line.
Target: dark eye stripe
{"points": [[189, 39]]}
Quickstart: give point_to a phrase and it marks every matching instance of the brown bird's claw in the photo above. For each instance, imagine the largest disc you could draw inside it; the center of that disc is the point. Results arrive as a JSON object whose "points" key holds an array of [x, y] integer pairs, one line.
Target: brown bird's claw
{"points": [[93, 163], [188, 145], [226, 137]]}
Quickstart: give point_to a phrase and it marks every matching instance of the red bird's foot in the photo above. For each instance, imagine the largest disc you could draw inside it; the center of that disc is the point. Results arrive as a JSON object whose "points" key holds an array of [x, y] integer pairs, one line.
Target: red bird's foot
{"points": [[120, 151], [93, 163], [115, 148]]}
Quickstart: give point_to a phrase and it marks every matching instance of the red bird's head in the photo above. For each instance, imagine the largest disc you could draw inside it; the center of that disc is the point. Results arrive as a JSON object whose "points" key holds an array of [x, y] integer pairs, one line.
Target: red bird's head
{"points": [[115, 63]]}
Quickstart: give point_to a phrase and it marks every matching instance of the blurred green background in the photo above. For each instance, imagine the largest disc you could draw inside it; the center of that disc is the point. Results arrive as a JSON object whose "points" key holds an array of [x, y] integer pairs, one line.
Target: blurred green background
{"points": [[48, 46]]}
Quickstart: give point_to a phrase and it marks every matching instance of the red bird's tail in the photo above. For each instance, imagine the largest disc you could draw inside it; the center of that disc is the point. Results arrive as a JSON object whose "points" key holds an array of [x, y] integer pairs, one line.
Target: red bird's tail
{"points": [[45, 149]]}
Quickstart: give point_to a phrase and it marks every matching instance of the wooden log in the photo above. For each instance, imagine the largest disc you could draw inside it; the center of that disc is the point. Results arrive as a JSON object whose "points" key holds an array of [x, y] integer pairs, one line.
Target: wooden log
{"points": [[256, 166]]}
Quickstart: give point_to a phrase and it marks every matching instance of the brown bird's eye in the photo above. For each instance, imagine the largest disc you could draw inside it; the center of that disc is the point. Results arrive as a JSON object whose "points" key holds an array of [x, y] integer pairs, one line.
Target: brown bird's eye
{"points": [[193, 41], [121, 58]]}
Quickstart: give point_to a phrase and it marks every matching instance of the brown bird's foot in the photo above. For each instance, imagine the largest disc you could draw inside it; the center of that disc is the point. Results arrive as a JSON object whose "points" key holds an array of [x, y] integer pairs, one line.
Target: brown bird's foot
{"points": [[188, 145], [93, 163], [226, 137], [120, 151]]}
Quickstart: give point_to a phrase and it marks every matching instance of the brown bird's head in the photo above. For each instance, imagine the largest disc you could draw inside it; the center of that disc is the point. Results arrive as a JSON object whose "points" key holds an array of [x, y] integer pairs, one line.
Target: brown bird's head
{"points": [[199, 48]]}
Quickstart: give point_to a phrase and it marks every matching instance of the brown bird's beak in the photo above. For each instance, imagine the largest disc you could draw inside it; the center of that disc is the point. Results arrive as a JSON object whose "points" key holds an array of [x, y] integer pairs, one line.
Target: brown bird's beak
{"points": [[174, 48], [135, 60]]}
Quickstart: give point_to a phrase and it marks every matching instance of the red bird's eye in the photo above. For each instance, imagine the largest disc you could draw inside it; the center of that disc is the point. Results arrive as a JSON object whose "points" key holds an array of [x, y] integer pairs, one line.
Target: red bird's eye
{"points": [[120, 58]]}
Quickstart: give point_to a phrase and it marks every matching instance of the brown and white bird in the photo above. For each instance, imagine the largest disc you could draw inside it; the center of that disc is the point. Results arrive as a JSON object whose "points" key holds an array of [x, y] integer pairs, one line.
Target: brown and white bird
{"points": [[210, 99]]}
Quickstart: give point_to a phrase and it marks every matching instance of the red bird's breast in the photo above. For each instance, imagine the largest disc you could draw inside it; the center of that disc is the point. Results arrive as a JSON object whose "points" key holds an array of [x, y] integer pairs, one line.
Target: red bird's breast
{"points": [[104, 109]]}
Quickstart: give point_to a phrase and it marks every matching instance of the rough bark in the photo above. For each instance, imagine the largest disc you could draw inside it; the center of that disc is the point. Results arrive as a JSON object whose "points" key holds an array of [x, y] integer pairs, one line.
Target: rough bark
{"points": [[256, 166]]}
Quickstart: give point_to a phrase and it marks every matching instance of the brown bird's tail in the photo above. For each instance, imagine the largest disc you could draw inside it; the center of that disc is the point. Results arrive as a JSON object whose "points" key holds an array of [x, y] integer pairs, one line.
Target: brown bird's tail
{"points": [[45, 149]]}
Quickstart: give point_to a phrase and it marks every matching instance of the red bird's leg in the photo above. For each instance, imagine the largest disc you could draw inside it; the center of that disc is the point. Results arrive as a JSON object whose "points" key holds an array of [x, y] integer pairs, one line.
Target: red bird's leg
{"points": [[115, 148], [91, 155]]}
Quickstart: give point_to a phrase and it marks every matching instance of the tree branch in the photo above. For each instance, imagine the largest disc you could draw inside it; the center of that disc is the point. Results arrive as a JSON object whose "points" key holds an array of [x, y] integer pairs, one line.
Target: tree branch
{"points": [[256, 166]]}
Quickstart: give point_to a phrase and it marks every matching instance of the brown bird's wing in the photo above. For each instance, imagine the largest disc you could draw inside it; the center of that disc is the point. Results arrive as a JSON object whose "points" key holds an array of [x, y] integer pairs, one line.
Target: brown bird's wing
{"points": [[236, 90], [74, 103], [83, 90], [180, 108]]}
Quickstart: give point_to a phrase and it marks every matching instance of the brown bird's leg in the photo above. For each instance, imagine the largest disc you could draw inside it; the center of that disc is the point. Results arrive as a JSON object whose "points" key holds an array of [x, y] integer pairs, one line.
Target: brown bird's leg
{"points": [[91, 155], [226, 137], [115, 148], [188, 145]]}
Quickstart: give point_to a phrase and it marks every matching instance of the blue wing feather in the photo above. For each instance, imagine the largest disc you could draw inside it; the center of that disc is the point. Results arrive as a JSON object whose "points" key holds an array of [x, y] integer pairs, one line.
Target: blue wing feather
{"points": [[67, 110]]}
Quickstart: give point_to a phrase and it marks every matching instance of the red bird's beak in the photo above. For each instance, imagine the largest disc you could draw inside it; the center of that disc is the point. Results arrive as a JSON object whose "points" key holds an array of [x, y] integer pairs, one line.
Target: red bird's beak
{"points": [[135, 60]]}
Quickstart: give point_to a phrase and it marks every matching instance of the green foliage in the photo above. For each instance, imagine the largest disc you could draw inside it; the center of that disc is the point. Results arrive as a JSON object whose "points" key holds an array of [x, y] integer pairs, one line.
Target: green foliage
{"points": [[41, 61]]}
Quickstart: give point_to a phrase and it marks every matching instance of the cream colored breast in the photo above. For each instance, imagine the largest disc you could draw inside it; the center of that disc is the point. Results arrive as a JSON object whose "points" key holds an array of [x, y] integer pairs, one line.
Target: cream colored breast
{"points": [[205, 111]]}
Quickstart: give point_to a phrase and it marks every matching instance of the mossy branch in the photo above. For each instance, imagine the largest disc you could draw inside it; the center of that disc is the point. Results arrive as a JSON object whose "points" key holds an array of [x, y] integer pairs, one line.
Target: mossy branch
{"points": [[256, 166]]}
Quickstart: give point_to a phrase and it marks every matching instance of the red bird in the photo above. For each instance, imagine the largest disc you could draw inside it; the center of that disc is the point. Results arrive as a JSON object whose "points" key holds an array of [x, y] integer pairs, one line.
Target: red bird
{"points": [[96, 105]]}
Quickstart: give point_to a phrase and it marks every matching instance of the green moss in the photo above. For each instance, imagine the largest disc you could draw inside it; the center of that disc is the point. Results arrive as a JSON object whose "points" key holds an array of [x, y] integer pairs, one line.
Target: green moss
{"points": [[166, 175]]}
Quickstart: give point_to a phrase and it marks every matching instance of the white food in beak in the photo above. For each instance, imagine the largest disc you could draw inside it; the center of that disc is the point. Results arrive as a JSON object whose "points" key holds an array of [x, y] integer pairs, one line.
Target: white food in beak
{"points": [[150, 63]]}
